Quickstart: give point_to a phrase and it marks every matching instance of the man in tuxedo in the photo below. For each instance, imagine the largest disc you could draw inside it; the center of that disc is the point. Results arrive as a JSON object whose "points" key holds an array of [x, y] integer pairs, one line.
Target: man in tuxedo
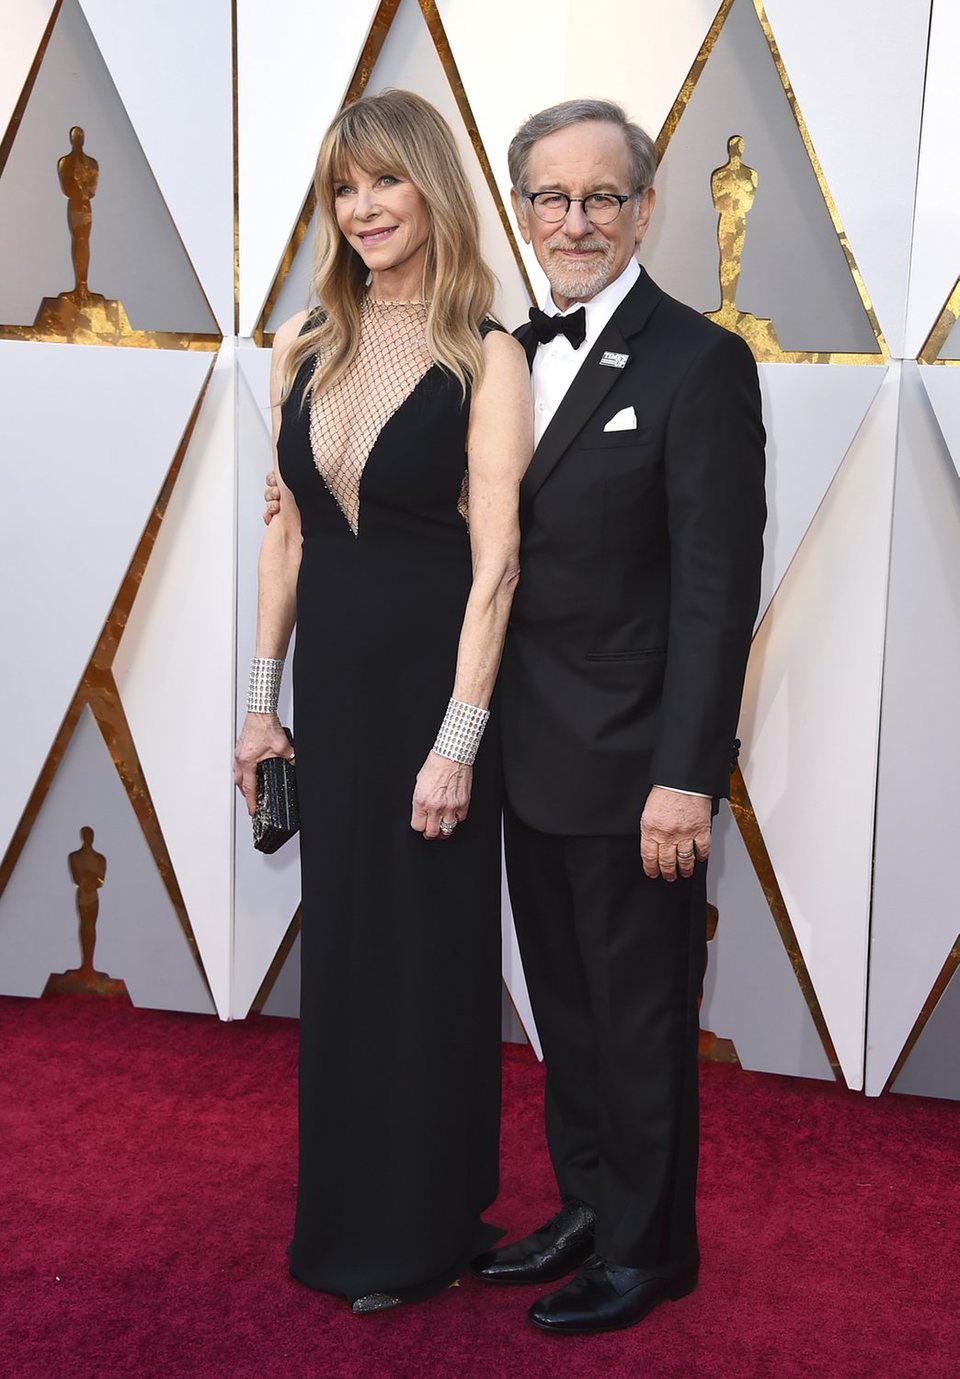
{"points": [[642, 518]]}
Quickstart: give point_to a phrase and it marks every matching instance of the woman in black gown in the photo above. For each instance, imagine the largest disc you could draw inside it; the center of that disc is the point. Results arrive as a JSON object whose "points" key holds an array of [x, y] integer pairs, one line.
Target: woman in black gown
{"points": [[404, 428]]}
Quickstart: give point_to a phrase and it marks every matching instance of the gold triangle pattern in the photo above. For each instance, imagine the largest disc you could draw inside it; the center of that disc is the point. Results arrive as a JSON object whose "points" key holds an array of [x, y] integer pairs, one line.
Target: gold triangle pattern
{"points": [[946, 973], [82, 317], [98, 691], [935, 341], [743, 811], [382, 21], [759, 334]]}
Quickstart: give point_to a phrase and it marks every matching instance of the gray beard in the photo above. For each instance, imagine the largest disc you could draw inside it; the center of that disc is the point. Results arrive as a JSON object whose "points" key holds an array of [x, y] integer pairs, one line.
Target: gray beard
{"points": [[583, 283]]}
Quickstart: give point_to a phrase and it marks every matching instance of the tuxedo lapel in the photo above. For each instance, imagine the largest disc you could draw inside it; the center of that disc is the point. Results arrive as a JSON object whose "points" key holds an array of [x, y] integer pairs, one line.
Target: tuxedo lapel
{"points": [[592, 383]]}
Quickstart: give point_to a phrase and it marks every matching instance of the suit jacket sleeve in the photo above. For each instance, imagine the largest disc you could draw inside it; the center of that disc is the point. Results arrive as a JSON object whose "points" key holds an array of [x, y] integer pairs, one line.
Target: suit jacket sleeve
{"points": [[714, 476]]}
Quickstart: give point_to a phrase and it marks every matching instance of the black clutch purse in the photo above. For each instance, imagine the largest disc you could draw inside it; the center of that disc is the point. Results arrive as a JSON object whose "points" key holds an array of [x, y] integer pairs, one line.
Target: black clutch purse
{"points": [[277, 816]]}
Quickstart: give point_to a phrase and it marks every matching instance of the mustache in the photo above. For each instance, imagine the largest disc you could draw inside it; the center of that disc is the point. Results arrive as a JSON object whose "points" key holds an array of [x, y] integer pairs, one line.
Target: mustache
{"points": [[561, 242]]}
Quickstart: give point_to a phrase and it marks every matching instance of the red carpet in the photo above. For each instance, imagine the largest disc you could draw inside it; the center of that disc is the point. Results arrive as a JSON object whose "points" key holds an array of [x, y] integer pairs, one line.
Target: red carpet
{"points": [[146, 1195]]}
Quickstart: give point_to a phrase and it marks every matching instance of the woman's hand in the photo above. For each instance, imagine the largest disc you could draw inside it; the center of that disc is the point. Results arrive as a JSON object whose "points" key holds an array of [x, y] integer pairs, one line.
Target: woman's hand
{"points": [[261, 737], [442, 793]]}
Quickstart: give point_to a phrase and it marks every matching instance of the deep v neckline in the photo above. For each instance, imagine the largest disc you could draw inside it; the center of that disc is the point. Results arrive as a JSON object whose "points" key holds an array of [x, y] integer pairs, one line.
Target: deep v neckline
{"points": [[348, 418]]}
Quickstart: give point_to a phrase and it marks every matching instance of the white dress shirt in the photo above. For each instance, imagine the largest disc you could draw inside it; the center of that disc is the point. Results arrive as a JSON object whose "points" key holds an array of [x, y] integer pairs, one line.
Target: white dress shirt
{"points": [[556, 364]]}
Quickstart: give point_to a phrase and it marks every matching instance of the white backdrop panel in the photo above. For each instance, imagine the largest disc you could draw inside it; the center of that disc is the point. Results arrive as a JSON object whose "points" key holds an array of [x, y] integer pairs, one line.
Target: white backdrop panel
{"points": [[506, 82], [267, 889], [295, 59], [848, 63], [65, 458], [647, 64], [811, 416], [138, 935], [809, 725], [175, 672], [935, 262], [943, 389], [409, 60], [184, 122], [751, 994], [23, 26], [515, 981], [915, 911]]}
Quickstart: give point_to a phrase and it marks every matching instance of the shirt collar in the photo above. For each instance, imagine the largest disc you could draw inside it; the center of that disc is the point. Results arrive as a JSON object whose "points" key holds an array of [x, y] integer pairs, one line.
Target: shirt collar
{"points": [[600, 308]]}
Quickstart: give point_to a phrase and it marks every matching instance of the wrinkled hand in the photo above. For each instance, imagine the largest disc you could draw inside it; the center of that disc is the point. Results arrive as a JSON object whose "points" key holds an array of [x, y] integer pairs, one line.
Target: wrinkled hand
{"points": [[271, 496], [260, 737], [671, 824], [442, 792]]}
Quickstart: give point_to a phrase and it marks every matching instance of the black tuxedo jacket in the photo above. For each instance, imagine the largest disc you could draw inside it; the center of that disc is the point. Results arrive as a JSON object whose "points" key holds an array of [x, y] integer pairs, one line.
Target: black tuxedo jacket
{"points": [[639, 574]]}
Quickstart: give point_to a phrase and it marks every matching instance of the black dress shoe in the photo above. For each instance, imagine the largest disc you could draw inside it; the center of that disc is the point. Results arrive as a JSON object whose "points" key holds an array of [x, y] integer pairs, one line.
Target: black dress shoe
{"points": [[552, 1251], [607, 1297]]}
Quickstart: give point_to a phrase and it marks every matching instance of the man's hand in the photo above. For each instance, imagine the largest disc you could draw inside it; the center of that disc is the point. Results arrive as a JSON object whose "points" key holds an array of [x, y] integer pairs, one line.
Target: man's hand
{"points": [[272, 495], [674, 833]]}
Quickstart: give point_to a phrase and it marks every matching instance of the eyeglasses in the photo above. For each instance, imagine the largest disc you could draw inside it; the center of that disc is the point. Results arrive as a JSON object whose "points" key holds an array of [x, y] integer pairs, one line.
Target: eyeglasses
{"points": [[600, 208]]}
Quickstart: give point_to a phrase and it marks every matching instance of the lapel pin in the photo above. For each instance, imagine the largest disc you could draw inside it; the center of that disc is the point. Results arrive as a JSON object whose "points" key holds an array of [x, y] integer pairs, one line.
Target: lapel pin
{"points": [[615, 361]]}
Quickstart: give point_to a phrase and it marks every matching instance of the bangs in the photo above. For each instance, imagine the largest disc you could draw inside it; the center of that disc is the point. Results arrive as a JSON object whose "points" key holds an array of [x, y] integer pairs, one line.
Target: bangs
{"points": [[361, 139]]}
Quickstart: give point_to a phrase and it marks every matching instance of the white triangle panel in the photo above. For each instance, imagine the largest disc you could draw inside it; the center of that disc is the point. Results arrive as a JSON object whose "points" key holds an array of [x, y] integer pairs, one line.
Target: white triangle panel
{"points": [[23, 26], [811, 417], [184, 120], [547, 62], [809, 725], [846, 63], [915, 907], [295, 61], [94, 431], [513, 978], [409, 60], [935, 261], [751, 994], [267, 889], [175, 672], [643, 49], [943, 389], [284, 997], [138, 934], [506, 82]]}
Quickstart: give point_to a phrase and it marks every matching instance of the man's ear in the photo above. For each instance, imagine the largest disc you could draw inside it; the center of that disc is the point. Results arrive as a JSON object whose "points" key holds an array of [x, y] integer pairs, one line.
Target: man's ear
{"points": [[648, 199], [516, 201]]}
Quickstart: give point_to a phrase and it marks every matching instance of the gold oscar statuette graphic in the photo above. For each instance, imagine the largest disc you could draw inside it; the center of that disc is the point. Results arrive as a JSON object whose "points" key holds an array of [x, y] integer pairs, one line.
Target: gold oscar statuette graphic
{"points": [[712, 1047], [733, 187], [82, 317], [88, 869]]}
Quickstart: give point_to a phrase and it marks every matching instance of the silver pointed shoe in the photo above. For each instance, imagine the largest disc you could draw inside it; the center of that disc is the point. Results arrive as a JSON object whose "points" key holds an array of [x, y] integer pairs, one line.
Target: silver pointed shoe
{"points": [[373, 1302]]}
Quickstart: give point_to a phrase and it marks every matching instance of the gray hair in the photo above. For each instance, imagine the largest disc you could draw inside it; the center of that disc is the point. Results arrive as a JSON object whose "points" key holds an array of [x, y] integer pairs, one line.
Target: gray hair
{"points": [[643, 152]]}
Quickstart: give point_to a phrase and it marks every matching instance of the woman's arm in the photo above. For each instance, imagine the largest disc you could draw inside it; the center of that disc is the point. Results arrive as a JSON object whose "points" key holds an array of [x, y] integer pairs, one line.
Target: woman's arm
{"points": [[279, 564], [499, 446]]}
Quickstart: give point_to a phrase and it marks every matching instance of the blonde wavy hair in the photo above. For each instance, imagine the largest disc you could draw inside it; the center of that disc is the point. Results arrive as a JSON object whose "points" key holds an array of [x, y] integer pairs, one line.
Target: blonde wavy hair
{"points": [[400, 133]]}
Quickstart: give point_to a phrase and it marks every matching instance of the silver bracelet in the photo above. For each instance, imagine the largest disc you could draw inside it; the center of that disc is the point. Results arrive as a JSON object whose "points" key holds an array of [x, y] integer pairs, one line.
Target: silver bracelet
{"points": [[461, 731], [263, 692]]}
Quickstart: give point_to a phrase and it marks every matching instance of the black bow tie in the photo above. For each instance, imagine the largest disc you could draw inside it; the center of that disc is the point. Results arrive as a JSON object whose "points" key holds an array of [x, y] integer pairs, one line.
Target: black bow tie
{"points": [[546, 328]]}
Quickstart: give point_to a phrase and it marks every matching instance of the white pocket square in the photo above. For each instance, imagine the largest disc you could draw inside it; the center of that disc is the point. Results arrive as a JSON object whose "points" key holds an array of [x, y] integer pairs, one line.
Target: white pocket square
{"points": [[625, 420]]}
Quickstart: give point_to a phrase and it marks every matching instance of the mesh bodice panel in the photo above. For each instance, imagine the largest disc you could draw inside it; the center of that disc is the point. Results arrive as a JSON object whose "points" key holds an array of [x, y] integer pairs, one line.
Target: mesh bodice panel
{"points": [[347, 417]]}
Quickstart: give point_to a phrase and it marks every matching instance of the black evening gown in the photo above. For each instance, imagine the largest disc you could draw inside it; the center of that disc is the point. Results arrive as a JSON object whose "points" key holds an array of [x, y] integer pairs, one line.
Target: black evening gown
{"points": [[400, 950]]}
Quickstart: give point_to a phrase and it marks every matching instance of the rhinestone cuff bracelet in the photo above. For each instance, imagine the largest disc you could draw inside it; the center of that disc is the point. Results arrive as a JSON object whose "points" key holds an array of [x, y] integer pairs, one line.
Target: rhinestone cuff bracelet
{"points": [[263, 692], [461, 731]]}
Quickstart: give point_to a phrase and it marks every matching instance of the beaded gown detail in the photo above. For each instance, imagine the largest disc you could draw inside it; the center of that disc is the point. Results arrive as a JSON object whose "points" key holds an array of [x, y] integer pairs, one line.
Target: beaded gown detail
{"points": [[400, 937]]}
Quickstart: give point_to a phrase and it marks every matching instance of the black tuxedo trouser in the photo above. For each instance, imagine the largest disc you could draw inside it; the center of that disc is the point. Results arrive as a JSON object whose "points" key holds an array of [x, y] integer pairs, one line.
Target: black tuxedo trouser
{"points": [[614, 965]]}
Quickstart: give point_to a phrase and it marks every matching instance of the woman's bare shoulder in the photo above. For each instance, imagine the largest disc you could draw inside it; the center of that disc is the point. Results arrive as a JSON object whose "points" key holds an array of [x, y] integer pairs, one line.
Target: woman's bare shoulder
{"points": [[288, 332]]}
